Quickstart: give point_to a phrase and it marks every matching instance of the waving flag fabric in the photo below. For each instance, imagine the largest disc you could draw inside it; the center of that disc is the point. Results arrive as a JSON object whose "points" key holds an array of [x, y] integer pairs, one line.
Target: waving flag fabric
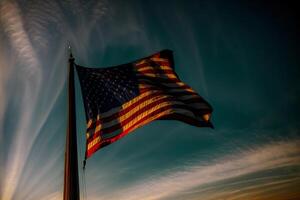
{"points": [[123, 98]]}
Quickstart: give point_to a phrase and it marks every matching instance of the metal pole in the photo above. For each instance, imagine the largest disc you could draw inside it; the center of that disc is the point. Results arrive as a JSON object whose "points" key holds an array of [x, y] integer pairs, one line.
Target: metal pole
{"points": [[71, 180]]}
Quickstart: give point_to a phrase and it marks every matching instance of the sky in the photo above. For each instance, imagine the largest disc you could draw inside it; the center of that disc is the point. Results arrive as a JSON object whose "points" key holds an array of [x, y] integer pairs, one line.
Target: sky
{"points": [[241, 57]]}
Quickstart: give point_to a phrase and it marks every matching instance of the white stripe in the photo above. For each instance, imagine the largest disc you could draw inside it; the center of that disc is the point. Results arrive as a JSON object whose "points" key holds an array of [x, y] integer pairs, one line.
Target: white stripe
{"points": [[172, 85], [152, 59], [181, 90], [116, 109], [154, 108], [159, 59], [186, 97], [170, 90], [137, 108], [148, 93], [163, 76], [162, 67], [158, 115]]}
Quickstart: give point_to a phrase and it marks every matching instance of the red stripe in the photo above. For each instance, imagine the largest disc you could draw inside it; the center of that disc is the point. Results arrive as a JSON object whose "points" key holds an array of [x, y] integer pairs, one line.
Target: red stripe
{"points": [[155, 103], [110, 140], [174, 95], [128, 109], [93, 149], [142, 77], [157, 71], [151, 85], [166, 92], [92, 126], [149, 64], [120, 125], [125, 122], [157, 94], [176, 116], [195, 99]]}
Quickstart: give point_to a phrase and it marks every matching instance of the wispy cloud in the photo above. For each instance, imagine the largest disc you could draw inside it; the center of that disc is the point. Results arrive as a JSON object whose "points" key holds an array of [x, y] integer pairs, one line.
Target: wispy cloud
{"points": [[40, 17], [4, 72], [53, 196], [254, 160], [14, 27], [12, 23], [30, 27]]}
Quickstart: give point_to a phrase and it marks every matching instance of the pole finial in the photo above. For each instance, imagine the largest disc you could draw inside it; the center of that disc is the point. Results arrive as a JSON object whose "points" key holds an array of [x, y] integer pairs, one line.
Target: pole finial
{"points": [[71, 58], [70, 51]]}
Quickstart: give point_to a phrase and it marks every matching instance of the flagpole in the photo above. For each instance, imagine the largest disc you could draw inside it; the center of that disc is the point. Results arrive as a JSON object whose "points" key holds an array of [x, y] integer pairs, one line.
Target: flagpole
{"points": [[71, 180]]}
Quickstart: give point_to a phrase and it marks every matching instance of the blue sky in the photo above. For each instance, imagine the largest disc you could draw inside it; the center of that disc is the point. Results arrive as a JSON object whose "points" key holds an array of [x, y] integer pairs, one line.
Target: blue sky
{"points": [[241, 57]]}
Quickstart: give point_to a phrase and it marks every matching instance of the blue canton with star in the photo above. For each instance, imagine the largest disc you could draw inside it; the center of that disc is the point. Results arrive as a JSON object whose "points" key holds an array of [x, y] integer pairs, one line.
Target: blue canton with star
{"points": [[106, 88]]}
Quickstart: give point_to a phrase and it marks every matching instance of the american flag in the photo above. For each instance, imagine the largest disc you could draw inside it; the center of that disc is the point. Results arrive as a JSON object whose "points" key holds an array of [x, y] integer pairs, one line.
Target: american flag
{"points": [[123, 98]]}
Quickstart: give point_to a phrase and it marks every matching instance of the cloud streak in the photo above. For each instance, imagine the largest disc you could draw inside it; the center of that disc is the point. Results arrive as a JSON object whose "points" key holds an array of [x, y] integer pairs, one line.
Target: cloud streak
{"points": [[23, 27], [4, 71], [167, 186], [12, 22], [14, 27]]}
